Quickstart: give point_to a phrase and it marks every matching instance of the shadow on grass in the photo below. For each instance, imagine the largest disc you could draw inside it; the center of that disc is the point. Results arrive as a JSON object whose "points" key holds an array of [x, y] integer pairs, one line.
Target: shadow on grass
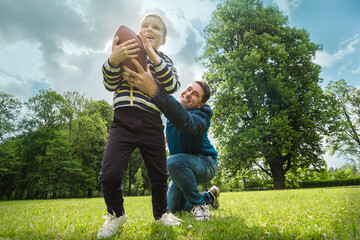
{"points": [[163, 232], [228, 227]]}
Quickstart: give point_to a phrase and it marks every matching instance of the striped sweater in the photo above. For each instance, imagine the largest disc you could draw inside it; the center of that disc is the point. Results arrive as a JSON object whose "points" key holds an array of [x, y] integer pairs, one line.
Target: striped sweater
{"points": [[126, 95]]}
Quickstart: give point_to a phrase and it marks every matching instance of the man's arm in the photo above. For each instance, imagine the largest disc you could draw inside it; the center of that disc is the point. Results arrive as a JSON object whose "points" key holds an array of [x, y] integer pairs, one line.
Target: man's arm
{"points": [[176, 113]]}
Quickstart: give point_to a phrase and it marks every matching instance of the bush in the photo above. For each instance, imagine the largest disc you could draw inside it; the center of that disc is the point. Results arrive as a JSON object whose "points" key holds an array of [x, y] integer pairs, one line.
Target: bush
{"points": [[330, 183]]}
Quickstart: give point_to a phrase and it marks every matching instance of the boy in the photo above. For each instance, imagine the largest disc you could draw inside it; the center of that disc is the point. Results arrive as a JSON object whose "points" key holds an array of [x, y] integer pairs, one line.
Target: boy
{"points": [[137, 123]]}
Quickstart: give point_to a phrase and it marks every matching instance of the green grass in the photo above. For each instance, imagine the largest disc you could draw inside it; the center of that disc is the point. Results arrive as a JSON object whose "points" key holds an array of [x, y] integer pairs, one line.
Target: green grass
{"points": [[322, 213]]}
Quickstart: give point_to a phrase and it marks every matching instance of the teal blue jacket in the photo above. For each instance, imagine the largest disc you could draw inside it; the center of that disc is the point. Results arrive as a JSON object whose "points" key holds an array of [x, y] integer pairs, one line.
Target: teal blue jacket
{"points": [[186, 130]]}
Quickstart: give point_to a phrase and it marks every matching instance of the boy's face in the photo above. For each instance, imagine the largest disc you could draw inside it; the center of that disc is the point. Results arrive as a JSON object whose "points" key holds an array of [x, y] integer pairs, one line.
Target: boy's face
{"points": [[191, 97], [152, 29]]}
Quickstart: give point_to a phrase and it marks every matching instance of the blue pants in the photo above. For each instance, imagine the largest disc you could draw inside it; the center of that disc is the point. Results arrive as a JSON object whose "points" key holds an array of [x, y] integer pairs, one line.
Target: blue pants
{"points": [[187, 171]]}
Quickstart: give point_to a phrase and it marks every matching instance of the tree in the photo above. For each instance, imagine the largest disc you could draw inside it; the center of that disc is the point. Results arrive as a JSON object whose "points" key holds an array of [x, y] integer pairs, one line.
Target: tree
{"points": [[136, 162], [139, 181], [88, 144], [58, 148], [268, 105], [39, 127], [61, 172], [10, 163], [44, 110], [9, 109], [344, 129], [103, 108]]}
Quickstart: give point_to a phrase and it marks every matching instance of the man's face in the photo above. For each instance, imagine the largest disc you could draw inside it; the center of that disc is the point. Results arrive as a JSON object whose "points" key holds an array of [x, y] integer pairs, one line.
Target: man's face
{"points": [[191, 97], [152, 29]]}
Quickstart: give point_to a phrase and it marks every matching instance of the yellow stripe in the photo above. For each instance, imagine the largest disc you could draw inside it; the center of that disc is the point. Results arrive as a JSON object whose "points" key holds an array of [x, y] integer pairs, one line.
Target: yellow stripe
{"points": [[132, 91], [172, 76], [121, 91], [164, 74], [145, 95], [111, 76], [131, 96], [108, 78]]}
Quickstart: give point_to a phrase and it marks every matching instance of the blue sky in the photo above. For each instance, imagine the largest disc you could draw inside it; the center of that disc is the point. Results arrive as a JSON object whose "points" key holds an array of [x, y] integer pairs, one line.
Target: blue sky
{"points": [[63, 44], [336, 25]]}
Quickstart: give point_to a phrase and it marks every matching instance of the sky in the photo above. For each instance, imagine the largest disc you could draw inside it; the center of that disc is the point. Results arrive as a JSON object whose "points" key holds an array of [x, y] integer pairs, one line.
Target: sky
{"points": [[62, 44]]}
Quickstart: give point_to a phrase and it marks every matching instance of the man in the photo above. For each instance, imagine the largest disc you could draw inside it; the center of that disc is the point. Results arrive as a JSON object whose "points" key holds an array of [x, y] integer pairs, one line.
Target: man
{"points": [[192, 160]]}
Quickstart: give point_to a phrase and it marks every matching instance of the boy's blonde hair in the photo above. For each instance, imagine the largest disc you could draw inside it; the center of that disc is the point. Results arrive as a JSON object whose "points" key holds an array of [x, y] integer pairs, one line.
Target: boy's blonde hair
{"points": [[159, 18]]}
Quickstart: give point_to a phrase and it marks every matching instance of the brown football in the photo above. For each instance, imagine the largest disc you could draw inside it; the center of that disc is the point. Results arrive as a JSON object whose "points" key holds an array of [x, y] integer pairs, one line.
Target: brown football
{"points": [[124, 33]]}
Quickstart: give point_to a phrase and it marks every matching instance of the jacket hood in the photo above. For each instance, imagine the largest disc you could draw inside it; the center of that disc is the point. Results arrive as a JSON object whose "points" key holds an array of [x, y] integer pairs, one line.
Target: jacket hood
{"points": [[206, 109]]}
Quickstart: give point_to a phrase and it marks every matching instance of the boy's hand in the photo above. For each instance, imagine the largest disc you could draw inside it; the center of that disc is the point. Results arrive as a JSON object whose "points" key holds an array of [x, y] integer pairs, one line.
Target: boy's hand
{"points": [[150, 51], [123, 51], [142, 80]]}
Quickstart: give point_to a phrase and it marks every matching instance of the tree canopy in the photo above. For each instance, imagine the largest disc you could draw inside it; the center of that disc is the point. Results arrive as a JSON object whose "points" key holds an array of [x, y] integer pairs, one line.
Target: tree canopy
{"points": [[266, 96], [57, 149]]}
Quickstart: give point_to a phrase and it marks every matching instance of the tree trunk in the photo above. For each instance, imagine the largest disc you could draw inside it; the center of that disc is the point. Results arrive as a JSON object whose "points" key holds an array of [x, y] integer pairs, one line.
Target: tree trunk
{"points": [[36, 194], [244, 180], [129, 188], [143, 191], [90, 193], [278, 176]]}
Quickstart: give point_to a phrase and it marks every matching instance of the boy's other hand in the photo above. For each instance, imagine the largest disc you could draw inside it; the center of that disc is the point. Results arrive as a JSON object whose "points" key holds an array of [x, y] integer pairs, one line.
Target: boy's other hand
{"points": [[149, 50], [123, 51]]}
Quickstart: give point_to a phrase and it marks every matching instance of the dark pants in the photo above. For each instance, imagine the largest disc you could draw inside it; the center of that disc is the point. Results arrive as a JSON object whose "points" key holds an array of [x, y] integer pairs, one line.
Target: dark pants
{"points": [[133, 128]]}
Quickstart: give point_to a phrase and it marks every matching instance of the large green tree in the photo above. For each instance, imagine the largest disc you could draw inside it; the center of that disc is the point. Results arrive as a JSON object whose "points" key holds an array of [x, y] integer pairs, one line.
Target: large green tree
{"points": [[265, 90]]}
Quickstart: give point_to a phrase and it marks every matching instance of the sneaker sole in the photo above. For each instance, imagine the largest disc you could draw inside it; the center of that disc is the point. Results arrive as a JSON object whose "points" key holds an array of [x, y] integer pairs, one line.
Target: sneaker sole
{"points": [[216, 192]]}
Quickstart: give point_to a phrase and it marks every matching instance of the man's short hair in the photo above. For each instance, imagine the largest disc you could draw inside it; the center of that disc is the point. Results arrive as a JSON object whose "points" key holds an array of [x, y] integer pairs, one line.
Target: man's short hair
{"points": [[206, 90], [159, 18]]}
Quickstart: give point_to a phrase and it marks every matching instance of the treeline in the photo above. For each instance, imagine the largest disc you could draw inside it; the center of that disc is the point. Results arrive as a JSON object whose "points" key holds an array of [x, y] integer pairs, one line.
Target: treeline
{"points": [[51, 147], [256, 179]]}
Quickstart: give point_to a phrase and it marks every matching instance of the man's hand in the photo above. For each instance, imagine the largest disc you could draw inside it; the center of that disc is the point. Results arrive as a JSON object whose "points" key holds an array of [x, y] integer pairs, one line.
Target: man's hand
{"points": [[121, 52], [142, 80], [149, 50]]}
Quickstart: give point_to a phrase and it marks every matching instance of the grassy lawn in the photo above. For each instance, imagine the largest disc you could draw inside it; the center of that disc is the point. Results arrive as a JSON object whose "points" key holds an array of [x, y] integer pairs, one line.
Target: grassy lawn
{"points": [[322, 213]]}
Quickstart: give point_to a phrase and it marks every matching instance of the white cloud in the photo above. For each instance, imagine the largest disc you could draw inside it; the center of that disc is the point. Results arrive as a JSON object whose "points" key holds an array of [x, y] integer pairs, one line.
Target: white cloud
{"points": [[64, 44], [325, 59], [344, 68], [287, 6], [356, 71]]}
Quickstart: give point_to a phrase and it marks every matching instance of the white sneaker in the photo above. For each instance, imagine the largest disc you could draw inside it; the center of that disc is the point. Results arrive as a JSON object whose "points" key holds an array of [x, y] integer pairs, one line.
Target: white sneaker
{"points": [[169, 220], [200, 212], [111, 225]]}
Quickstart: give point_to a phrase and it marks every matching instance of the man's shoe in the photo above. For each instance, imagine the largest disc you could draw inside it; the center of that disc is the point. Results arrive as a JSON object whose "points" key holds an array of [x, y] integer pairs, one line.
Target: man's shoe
{"points": [[169, 220], [215, 193], [200, 212], [111, 225]]}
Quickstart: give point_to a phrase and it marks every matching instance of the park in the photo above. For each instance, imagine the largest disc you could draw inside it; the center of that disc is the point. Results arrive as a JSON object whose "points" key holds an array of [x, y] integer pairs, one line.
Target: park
{"points": [[273, 122], [317, 213]]}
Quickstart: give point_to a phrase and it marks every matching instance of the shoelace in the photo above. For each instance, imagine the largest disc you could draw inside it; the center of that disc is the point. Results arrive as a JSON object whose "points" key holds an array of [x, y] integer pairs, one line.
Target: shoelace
{"points": [[197, 208], [108, 217]]}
